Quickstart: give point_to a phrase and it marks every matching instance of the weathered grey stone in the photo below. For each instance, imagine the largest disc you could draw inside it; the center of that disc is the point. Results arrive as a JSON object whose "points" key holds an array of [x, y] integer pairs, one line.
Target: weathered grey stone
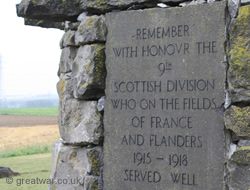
{"points": [[68, 39], [65, 87], [231, 25], [242, 156], [137, 7], [88, 72], [101, 104], [244, 143], [95, 158], [196, 2], [90, 183], [185, 3], [44, 23], [227, 100], [95, 6], [56, 148], [239, 55], [233, 6], [238, 120], [162, 5], [146, 92], [71, 25], [82, 16], [104, 6], [71, 165], [171, 1], [239, 95], [239, 177], [91, 30], [80, 123], [239, 169], [231, 149], [125, 3], [7, 172], [67, 58], [100, 180], [57, 10], [211, 1], [245, 2]]}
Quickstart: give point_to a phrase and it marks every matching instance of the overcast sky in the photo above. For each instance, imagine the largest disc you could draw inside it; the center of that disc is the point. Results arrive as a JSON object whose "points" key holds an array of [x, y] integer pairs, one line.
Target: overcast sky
{"points": [[30, 55]]}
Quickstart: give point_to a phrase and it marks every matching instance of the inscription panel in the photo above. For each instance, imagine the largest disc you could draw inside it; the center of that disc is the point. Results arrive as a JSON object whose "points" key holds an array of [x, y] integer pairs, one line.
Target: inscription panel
{"points": [[164, 92]]}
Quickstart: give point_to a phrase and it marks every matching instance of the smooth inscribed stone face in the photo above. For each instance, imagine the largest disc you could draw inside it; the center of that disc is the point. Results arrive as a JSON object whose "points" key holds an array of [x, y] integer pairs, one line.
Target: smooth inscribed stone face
{"points": [[164, 91]]}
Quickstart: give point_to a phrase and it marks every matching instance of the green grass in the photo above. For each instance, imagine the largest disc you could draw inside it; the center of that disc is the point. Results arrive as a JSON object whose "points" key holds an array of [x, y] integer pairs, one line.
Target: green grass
{"points": [[30, 167], [29, 150], [43, 111]]}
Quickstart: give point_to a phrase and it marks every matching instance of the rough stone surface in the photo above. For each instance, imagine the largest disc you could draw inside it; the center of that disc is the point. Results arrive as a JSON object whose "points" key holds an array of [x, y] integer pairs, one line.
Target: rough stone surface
{"points": [[101, 104], [197, 2], [231, 25], [125, 3], [211, 1], [172, 1], [104, 6], [185, 3], [80, 123], [56, 148], [142, 75], [68, 39], [239, 168], [90, 183], [227, 100], [162, 5], [95, 156], [239, 95], [238, 120], [67, 58], [71, 164], [88, 72], [65, 87], [95, 6], [239, 177], [231, 149], [7, 172], [239, 68], [242, 156], [91, 30], [44, 23], [82, 16], [57, 10], [233, 6], [244, 143], [71, 25]]}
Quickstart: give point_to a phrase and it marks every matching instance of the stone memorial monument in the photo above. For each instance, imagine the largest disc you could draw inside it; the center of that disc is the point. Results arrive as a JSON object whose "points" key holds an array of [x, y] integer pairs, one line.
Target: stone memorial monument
{"points": [[173, 79], [164, 95]]}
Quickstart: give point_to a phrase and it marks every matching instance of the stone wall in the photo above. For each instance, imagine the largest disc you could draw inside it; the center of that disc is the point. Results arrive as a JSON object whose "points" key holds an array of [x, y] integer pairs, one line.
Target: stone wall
{"points": [[78, 155], [237, 114]]}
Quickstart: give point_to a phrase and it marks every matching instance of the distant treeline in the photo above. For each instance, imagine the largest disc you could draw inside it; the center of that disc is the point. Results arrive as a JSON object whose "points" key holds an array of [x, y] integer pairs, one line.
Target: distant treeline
{"points": [[29, 103]]}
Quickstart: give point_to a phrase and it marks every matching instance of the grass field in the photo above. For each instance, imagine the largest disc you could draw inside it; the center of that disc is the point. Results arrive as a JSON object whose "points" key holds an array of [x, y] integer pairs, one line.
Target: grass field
{"points": [[21, 137], [30, 167], [23, 132], [48, 111], [28, 150]]}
